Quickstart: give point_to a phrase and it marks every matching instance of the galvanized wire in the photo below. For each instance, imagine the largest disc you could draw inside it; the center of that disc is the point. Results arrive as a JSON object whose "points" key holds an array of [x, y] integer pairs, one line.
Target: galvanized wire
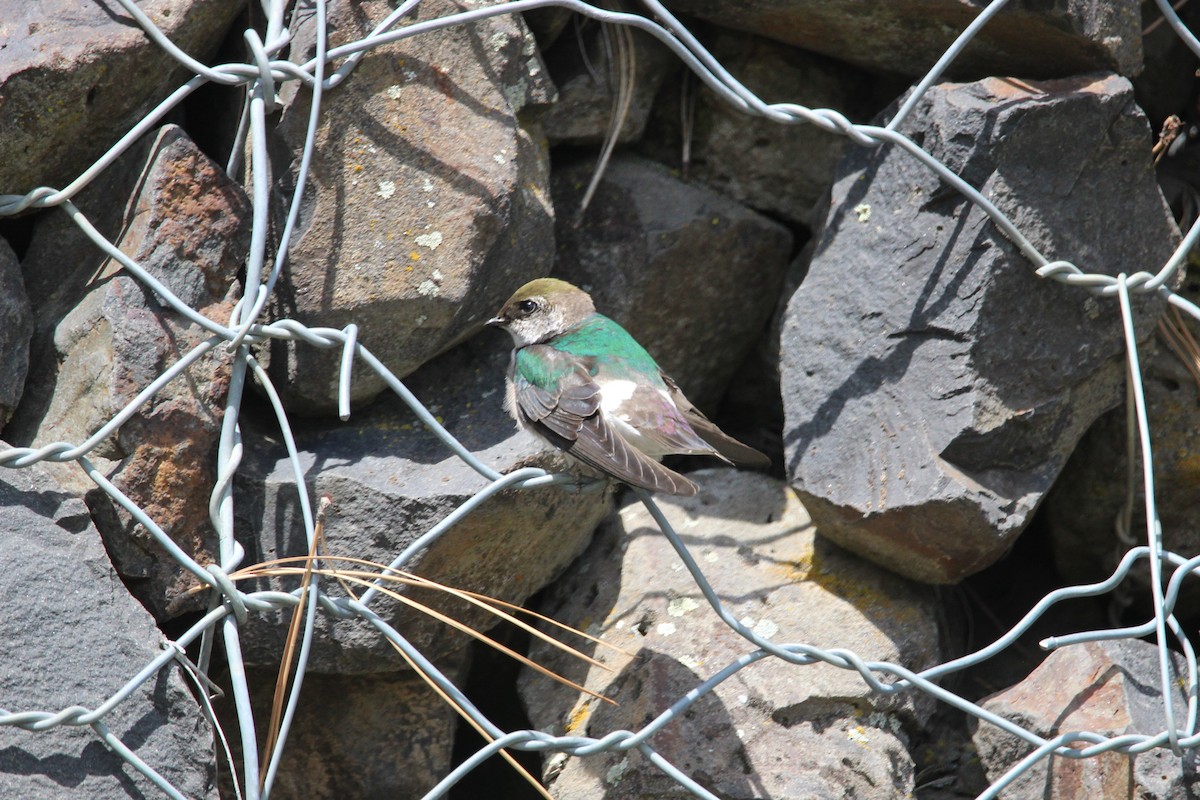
{"points": [[229, 608]]}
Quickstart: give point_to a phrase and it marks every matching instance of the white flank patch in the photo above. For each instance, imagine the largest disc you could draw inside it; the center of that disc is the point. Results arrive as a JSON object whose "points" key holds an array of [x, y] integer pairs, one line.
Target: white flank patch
{"points": [[615, 394]]}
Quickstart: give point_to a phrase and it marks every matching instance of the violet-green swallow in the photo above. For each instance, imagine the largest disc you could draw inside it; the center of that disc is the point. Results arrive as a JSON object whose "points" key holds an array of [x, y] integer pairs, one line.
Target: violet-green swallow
{"points": [[580, 381]]}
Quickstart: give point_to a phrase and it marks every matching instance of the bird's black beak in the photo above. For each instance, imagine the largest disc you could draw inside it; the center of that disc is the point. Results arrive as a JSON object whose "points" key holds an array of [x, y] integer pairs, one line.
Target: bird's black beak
{"points": [[496, 321]]}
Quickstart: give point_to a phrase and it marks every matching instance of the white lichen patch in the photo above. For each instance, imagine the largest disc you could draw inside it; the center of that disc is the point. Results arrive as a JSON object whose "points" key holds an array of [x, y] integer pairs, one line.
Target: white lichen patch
{"points": [[765, 628], [681, 606], [499, 40], [863, 211], [428, 288], [430, 240], [386, 189], [393, 91], [665, 628]]}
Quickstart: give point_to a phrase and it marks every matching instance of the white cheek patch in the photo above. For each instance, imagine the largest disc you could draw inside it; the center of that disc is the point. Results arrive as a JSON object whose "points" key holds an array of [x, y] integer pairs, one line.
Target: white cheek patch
{"points": [[538, 328]]}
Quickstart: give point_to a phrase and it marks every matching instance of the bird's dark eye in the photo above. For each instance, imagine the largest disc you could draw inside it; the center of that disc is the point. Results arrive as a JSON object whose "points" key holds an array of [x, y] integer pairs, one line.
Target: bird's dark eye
{"points": [[527, 306]]}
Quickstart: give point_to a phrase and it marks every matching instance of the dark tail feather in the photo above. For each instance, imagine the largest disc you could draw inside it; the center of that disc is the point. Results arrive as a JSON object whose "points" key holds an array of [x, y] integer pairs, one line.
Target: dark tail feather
{"points": [[725, 444], [730, 448]]}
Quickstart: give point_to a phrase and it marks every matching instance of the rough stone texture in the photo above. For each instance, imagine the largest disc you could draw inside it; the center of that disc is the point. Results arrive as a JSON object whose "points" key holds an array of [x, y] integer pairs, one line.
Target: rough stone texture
{"points": [[1030, 39], [73, 636], [16, 329], [76, 76], [353, 736], [933, 385], [586, 88], [771, 730], [428, 199], [392, 481], [785, 170], [101, 338], [1110, 688], [691, 274]]}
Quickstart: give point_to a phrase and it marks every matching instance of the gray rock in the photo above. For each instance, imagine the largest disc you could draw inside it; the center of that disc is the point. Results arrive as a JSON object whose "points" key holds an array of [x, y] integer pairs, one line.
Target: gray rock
{"points": [[16, 329], [784, 170], [428, 200], [385, 735], [771, 730], [691, 274], [391, 481], [933, 385], [586, 87], [101, 338], [1029, 39], [73, 636], [76, 76], [1109, 688]]}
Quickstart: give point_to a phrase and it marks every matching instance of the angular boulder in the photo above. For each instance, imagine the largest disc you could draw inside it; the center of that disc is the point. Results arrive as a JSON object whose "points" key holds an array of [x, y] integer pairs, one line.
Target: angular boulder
{"points": [[771, 730], [101, 337], [428, 199], [1109, 688], [1032, 40], [76, 76], [933, 385], [80, 640]]}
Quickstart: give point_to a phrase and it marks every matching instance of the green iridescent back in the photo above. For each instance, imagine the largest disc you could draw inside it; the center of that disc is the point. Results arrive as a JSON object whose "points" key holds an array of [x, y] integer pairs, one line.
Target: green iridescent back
{"points": [[601, 343]]}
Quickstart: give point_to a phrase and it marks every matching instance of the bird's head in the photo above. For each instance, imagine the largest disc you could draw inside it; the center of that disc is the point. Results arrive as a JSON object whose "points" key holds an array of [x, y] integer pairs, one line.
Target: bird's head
{"points": [[541, 310]]}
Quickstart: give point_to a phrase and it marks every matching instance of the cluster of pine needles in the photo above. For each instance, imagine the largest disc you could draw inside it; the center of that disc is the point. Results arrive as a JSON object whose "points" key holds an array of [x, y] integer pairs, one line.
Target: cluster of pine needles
{"points": [[356, 574]]}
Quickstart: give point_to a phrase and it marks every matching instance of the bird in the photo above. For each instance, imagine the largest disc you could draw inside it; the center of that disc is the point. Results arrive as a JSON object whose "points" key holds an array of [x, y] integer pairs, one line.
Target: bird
{"points": [[583, 383]]}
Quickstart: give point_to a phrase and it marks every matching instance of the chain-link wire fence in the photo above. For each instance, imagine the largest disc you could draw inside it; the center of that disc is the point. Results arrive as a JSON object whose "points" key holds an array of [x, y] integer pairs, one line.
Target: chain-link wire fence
{"points": [[261, 75]]}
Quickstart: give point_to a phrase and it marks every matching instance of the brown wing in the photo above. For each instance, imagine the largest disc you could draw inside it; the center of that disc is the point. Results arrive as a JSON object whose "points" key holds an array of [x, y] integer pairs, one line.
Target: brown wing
{"points": [[729, 448], [568, 415]]}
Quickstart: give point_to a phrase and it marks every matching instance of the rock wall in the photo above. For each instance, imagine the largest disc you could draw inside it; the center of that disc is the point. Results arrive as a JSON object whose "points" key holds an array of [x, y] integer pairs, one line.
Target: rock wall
{"points": [[920, 390]]}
